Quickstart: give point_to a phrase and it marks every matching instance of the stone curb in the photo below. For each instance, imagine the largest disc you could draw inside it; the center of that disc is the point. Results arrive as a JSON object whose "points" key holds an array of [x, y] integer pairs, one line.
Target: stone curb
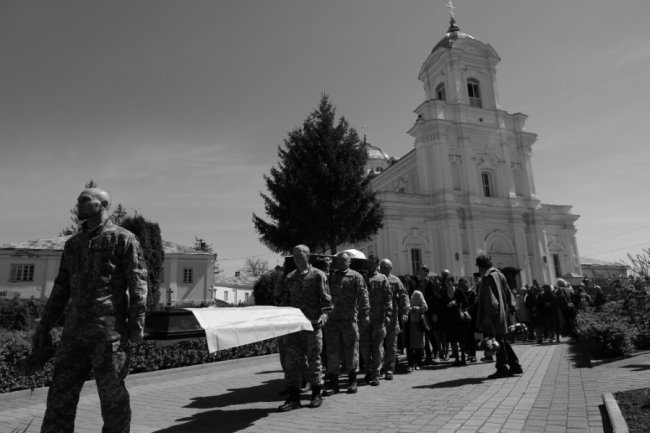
{"points": [[614, 412]]}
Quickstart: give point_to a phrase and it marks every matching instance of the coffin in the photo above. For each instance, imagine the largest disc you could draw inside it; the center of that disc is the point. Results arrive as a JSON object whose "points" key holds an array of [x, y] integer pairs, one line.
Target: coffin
{"points": [[225, 327], [172, 324]]}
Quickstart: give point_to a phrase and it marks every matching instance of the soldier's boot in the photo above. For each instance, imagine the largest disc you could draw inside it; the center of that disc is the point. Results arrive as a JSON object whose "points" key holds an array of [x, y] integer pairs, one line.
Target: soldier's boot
{"points": [[332, 386], [316, 398], [352, 383], [293, 401]]}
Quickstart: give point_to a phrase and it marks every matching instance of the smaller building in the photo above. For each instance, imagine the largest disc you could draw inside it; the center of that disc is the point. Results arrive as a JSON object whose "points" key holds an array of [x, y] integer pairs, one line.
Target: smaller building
{"points": [[235, 290], [602, 269], [28, 269]]}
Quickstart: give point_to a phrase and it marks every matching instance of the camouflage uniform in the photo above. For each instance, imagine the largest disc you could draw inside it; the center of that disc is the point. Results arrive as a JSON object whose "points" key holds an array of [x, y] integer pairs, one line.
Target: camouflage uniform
{"points": [[350, 297], [102, 287], [309, 292], [401, 305], [372, 335]]}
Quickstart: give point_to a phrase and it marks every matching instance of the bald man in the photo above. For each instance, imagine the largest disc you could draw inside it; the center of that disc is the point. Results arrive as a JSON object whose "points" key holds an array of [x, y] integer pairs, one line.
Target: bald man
{"points": [[100, 291], [401, 304], [305, 288]]}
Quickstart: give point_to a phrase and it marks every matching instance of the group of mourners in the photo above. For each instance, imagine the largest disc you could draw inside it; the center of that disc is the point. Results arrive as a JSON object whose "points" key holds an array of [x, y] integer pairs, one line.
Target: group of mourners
{"points": [[550, 310], [361, 322]]}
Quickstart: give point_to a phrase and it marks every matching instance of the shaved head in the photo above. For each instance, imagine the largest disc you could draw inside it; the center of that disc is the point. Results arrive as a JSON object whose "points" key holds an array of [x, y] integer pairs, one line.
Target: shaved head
{"points": [[93, 205], [99, 194]]}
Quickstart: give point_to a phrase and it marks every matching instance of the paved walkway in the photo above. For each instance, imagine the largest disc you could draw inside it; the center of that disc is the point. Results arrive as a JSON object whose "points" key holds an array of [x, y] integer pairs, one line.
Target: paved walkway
{"points": [[556, 393]]}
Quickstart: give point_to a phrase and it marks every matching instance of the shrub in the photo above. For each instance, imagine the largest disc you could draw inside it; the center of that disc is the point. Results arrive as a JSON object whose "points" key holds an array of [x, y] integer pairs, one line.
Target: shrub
{"points": [[15, 346], [603, 334]]}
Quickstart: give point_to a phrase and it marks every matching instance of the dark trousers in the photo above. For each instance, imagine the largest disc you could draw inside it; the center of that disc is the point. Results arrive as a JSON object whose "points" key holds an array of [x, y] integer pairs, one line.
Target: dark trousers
{"points": [[506, 357]]}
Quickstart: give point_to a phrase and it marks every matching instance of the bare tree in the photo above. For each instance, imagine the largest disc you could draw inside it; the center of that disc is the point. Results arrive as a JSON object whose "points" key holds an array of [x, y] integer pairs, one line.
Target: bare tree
{"points": [[640, 264], [255, 266]]}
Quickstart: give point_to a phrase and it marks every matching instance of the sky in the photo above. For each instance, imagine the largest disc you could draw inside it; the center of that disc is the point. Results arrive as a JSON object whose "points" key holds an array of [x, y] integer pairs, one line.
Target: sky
{"points": [[178, 108]]}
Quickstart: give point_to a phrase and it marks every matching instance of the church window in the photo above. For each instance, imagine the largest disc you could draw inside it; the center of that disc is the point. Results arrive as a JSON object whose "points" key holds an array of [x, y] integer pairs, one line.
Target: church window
{"points": [[416, 260], [519, 182], [488, 184], [556, 265], [441, 94], [455, 176], [474, 93]]}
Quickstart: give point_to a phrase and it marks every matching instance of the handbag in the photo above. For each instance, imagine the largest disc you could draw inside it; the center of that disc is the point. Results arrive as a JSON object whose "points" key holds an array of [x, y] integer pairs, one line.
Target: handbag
{"points": [[424, 324]]}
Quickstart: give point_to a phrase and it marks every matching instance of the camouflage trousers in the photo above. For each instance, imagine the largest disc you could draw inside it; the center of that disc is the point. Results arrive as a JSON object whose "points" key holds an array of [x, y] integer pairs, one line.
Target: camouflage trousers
{"points": [[391, 347], [75, 358], [302, 357], [342, 338], [371, 347]]}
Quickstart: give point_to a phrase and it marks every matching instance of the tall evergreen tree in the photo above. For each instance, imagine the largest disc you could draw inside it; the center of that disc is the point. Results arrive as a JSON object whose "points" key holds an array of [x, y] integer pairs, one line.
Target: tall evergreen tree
{"points": [[148, 234], [319, 194]]}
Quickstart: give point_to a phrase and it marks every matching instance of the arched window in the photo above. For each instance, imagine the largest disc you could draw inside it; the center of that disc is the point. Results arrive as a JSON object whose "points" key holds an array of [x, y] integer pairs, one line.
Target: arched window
{"points": [[474, 93], [518, 178], [488, 184], [441, 94]]}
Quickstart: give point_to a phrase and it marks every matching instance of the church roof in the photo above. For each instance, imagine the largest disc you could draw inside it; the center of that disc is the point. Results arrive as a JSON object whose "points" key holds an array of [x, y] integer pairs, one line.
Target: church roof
{"points": [[453, 35]]}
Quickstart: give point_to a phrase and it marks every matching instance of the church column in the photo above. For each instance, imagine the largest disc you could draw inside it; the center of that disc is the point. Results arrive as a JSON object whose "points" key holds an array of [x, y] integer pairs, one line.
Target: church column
{"points": [[521, 249]]}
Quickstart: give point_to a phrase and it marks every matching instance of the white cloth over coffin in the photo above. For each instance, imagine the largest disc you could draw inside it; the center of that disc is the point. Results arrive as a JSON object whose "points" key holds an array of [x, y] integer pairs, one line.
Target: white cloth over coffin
{"points": [[232, 327]]}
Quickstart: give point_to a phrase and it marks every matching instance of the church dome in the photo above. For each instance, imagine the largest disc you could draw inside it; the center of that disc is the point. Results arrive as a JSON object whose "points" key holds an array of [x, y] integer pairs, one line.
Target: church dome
{"points": [[375, 153], [453, 35]]}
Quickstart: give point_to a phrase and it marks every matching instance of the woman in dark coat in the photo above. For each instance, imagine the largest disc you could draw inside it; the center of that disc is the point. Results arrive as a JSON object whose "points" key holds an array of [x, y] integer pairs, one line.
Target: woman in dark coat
{"points": [[454, 300]]}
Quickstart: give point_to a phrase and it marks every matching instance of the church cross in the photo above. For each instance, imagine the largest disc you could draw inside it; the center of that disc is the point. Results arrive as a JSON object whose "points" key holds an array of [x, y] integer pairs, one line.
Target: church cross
{"points": [[451, 7]]}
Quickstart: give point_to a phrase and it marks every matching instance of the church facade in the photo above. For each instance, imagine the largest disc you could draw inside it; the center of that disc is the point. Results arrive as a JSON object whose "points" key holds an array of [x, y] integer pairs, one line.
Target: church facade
{"points": [[467, 186]]}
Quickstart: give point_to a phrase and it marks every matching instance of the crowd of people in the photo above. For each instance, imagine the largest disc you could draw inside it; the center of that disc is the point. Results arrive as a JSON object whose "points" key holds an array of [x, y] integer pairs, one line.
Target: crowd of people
{"points": [[362, 320]]}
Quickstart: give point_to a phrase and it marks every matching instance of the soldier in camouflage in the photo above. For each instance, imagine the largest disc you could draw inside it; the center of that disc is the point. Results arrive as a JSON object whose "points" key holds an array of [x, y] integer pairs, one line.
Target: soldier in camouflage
{"points": [[305, 288], [371, 342], [101, 291], [400, 306], [350, 297]]}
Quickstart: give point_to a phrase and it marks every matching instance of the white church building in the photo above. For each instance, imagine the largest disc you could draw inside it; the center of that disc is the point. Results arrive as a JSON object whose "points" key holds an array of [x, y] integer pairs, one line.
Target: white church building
{"points": [[467, 186]]}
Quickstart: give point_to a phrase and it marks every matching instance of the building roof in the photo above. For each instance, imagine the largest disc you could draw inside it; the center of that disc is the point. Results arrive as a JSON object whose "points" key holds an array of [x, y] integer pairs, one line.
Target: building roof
{"points": [[56, 244], [591, 262], [453, 35], [237, 282]]}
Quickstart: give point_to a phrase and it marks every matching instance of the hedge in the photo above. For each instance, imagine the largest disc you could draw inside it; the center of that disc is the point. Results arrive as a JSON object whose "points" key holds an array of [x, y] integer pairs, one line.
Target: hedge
{"points": [[15, 346]]}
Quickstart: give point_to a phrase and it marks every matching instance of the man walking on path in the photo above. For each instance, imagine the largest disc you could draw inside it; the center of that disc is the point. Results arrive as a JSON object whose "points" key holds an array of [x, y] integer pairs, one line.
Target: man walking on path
{"points": [[495, 303], [401, 306], [350, 298], [306, 289], [373, 334], [102, 288]]}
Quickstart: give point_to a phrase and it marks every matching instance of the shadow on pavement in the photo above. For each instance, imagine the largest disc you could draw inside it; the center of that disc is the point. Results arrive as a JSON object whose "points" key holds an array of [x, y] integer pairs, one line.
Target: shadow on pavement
{"points": [[638, 367], [270, 372], [453, 383], [578, 355], [266, 392], [223, 421]]}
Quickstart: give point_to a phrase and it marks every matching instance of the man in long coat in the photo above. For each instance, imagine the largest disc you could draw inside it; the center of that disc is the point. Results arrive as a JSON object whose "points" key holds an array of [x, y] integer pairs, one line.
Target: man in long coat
{"points": [[495, 302]]}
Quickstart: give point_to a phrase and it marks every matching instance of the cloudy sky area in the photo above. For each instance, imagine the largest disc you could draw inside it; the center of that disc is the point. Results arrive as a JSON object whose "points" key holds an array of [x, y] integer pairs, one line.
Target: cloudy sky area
{"points": [[177, 108]]}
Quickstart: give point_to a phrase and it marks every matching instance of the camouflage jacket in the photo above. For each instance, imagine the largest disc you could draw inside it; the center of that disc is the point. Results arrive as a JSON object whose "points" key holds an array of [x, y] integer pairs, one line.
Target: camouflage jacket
{"points": [[349, 294], [381, 305], [309, 292], [400, 299], [101, 287]]}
